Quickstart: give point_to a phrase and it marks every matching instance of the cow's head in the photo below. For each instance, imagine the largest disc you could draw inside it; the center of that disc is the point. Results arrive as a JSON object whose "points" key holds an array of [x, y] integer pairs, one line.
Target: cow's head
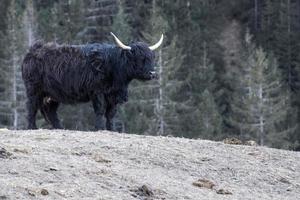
{"points": [[142, 58]]}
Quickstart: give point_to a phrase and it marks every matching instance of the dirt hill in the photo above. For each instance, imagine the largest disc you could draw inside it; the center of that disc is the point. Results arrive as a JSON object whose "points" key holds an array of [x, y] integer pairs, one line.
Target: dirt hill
{"points": [[51, 164]]}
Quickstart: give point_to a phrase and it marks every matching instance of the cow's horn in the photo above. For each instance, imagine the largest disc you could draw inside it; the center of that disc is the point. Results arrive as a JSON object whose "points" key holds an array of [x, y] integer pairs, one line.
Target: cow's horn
{"points": [[120, 44], [153, 47]]}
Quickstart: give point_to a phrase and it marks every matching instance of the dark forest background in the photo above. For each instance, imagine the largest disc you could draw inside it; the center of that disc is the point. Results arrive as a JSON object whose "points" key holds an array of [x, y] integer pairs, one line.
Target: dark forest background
{"points": [[228, 68]]}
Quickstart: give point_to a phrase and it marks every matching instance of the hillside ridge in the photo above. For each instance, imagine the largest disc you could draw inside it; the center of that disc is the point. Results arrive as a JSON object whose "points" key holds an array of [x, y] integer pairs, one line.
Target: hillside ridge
{"points": [[61, 164]]}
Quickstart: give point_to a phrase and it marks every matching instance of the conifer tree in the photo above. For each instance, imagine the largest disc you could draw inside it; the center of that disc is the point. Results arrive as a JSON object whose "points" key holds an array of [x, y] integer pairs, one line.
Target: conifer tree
{"points": [[120, 24], [15, 48], [201, 117], [5, 111], [259, 105]]}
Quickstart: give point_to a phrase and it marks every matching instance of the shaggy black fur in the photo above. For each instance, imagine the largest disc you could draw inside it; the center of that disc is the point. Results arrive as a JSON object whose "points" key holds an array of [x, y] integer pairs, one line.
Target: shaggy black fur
{"points": [[70, 74]]}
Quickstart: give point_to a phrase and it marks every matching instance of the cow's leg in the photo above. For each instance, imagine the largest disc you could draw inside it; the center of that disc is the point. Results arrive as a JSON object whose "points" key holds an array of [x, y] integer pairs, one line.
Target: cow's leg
{"points": [[32, 107], [99, 109], [110, 112], [49, 111], [33, 102]]}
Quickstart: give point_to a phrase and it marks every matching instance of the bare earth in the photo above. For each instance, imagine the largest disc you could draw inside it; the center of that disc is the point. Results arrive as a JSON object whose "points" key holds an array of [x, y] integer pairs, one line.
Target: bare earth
{"points": [[52, 164]]}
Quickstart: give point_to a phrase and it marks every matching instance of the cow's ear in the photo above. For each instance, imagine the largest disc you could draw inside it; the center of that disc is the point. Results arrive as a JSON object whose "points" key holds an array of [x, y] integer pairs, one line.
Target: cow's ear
{"points": [[96, 60]]}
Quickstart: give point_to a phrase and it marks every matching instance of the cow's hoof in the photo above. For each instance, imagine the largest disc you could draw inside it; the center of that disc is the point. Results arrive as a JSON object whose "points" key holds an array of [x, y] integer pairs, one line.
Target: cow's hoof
{"points": [[32, 128], [58, 126], [99, 129]]}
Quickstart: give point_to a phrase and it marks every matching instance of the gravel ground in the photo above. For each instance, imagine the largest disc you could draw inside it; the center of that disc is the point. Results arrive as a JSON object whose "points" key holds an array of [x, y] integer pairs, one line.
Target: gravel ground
{"points": [[55, 164]]}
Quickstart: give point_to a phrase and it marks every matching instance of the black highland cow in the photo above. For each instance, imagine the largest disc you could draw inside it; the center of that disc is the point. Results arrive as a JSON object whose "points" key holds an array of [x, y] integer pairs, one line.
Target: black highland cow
{"points": [[70, 74]]}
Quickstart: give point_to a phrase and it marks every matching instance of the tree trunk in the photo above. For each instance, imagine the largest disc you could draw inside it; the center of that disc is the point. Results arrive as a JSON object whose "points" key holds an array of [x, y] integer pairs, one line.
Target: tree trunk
{"points": [[261, 117], [161, 103]]}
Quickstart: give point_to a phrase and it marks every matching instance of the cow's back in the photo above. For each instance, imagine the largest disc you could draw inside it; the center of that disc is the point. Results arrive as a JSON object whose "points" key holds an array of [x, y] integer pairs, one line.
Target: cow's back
{"points": [[56, 70]]}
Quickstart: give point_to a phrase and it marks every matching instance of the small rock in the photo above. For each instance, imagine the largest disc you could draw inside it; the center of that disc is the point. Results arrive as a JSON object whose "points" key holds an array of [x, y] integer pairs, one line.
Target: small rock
{"points": [[44, 192], [4, 153], [31, 192], [222, 191], [251, 143], [51, 169], [206, 159], [204, 183], [21, 151], [134, 195], [253, 153], [99, 158], [80, 153], [13, 172], [102, 171], [232, 141], [143, 191], [146, 190], [284, 180], [3, 197], [42, 138]]}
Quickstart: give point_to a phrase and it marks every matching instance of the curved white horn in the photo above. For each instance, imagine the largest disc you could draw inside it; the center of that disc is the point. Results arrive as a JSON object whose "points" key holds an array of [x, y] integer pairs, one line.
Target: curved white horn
{"points": [[120, 44], [153, 47]]}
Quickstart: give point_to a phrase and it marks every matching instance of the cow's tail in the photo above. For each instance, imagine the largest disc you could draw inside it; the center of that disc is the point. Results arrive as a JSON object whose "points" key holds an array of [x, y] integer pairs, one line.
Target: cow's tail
{"points": [[32, 64]]}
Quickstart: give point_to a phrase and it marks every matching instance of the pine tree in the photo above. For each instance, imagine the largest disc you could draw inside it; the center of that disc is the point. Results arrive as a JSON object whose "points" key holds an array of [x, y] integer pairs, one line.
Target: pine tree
{"points": [[68, 17], [5, 104], [120, 24], [46, 24], [280, 34], [15, 49], [99, 17], [201, 84], [156, 25], [286, 42], [210, 123], [260, 105]]}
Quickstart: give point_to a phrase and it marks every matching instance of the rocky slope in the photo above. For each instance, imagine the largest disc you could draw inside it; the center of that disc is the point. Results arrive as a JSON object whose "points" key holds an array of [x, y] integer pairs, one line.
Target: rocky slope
{"points": [[52, 164]]}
